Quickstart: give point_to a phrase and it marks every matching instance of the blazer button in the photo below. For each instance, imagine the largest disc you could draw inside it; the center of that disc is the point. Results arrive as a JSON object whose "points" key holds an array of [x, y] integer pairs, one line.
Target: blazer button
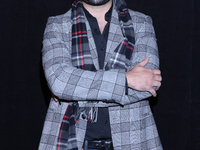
{"points": [[96, 30], [83, 116]]}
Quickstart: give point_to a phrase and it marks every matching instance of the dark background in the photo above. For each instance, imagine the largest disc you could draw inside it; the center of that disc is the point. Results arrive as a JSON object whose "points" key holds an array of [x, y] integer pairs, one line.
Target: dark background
{"points": [[25, 96]]}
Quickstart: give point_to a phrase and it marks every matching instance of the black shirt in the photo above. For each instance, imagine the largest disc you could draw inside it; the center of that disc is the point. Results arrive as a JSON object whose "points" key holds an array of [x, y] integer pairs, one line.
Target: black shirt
{"points": [[100, 129]]}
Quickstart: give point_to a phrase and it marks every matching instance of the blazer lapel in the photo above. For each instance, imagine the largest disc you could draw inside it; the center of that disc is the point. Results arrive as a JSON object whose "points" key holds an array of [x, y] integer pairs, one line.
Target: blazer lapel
{"points": [[115, 36]]}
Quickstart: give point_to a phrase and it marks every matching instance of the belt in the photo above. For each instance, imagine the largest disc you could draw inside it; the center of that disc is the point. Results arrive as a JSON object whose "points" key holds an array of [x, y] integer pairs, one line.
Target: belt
{"points": [[100, 144]]}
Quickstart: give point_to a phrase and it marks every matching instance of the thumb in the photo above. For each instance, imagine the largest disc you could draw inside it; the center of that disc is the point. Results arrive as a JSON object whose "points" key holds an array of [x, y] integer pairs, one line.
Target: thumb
{"points": [[144, 62]]}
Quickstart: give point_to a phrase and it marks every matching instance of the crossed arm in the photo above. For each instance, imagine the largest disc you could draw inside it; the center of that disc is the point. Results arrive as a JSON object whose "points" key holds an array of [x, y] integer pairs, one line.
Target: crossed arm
{"points": [[59, 71], [141, 79]]}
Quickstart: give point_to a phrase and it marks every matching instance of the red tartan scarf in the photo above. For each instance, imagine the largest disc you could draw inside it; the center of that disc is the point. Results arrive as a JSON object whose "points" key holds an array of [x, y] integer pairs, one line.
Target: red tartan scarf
{"points": [[81, 58]]}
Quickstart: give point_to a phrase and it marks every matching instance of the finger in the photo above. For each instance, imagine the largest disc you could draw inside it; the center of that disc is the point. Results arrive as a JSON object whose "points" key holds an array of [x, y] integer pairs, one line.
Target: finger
{"points": [[55, 99], [157, 78], [156, 71], [144, 62], [153, 92], [156, 83], [157, 88]]}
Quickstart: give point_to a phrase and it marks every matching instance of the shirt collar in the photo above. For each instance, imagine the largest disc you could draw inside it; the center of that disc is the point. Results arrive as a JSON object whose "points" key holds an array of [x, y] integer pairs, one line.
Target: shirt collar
{"points": [[107, 15]]}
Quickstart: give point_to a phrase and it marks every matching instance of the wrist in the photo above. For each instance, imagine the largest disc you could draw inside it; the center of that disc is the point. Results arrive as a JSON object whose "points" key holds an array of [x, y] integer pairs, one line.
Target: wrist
{"points": [[129, 79]]}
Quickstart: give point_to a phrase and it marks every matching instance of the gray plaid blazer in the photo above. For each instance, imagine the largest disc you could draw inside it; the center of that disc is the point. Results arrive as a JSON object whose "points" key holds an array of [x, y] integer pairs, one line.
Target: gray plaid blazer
{"points": [[132, 123]]}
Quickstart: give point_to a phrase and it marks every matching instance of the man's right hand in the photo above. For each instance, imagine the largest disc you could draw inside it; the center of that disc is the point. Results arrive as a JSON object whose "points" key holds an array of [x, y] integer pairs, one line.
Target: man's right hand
{"points": [[143, 79]]}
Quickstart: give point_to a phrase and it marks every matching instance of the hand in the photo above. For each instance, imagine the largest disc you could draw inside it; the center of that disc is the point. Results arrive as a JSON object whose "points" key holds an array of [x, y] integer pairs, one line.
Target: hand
{"points": [[144, 79], [54, 97]]}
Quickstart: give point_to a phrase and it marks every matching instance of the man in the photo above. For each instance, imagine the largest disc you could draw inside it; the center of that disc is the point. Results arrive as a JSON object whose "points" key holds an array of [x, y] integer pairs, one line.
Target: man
{"points": [[101, 64]]}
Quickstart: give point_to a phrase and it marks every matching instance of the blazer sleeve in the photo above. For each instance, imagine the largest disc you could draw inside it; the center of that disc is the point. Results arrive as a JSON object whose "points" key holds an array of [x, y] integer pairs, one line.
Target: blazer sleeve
{"points": [[145, 46], [69, 83]]}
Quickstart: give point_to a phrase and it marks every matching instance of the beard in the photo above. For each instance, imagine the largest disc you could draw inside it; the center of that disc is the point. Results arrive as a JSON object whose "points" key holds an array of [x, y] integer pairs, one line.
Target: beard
{"points": [[96, 2]]}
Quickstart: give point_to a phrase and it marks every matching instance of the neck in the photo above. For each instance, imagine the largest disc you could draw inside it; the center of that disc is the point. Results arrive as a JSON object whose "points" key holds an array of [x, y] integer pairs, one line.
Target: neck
{"points": [[98, 11]]}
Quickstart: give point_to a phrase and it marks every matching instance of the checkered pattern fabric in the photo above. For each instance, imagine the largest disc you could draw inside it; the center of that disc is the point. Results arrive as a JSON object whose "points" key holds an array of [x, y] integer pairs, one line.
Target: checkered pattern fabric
{"points": [[126, 47], [131, 120], [67, 130], [81, 58]]}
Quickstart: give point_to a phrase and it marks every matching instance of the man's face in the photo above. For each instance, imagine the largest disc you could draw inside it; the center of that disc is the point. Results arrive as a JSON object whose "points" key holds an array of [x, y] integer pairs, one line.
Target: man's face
{"points": [[96, 2]]}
